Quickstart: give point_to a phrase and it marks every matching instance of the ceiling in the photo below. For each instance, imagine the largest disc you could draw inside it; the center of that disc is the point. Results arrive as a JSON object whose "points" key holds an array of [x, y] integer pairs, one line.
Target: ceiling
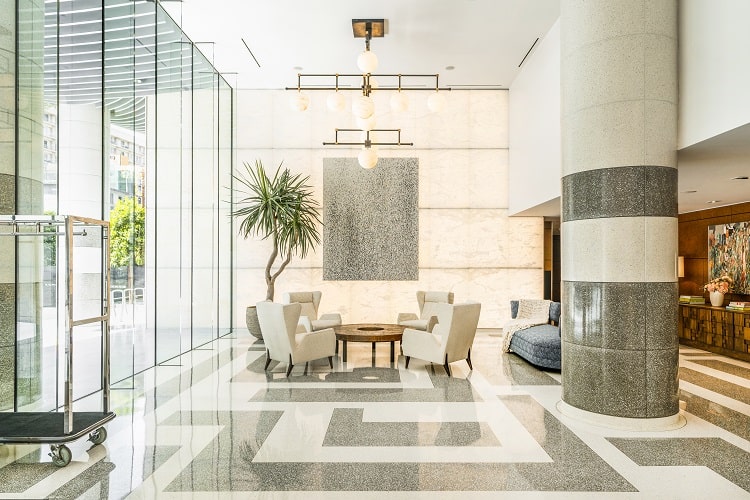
{"points": [[483, 40]]}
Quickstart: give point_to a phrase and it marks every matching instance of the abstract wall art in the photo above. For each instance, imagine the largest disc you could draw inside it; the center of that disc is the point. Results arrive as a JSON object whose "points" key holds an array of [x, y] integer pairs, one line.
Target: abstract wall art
{"points": [[729, 253], [371, 220]]}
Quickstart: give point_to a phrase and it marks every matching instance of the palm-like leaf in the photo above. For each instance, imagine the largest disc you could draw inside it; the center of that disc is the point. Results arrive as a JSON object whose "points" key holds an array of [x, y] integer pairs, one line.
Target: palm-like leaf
{"points": [[281, 208]]}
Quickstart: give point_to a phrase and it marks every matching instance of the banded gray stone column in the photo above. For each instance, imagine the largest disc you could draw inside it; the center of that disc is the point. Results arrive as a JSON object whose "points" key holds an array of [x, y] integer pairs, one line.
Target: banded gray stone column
{"points": [[619, 207]]}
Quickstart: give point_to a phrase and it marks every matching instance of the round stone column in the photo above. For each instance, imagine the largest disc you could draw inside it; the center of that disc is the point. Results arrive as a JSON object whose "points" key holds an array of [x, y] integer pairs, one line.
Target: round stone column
{"points": [[619, 208]]}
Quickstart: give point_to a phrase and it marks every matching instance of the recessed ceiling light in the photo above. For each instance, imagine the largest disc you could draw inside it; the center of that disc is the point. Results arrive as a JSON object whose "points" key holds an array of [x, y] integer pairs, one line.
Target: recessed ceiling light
{"points": [[713, 201], [740, 178], [298, 68], [689, 191], [450, 68]]}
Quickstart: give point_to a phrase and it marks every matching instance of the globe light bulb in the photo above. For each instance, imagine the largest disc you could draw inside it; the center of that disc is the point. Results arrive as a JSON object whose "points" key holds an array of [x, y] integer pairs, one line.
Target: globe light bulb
{"points": [[366, 123], [436, 102], [368, 158], [367, 62], [399, 102], [336, 102], [299, 101], [363, 106]]}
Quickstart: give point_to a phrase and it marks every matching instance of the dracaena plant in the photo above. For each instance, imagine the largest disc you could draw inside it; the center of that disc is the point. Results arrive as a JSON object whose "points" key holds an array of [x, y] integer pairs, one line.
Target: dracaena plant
{"points": [[280, 208]]}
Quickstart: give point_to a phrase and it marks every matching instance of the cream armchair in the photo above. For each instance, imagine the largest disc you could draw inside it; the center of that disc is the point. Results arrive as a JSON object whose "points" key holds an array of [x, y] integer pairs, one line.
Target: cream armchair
{"points": [[427, 314], [449, 341], [278, 324], [309, 320]]}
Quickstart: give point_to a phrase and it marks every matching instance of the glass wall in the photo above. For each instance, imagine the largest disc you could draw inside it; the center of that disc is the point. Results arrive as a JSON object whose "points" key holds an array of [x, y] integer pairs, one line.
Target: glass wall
{"points": [[118, 116]]}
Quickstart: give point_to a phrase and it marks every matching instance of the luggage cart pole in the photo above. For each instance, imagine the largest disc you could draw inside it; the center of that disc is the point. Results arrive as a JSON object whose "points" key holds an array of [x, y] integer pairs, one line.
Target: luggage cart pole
{"points": [[105, 322], [68, 396]]}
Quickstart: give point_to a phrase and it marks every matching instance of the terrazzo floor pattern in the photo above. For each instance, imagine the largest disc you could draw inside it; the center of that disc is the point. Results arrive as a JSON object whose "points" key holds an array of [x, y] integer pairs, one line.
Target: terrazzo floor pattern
{"points": [[215, 425]]}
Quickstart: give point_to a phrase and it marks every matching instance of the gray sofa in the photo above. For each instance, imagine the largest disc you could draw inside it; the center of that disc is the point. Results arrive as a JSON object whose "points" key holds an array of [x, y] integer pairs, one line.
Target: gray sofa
{"points": [[540, 344]]}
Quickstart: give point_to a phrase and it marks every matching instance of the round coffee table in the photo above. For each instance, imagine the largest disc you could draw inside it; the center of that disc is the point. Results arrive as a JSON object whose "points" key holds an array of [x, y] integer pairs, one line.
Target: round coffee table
{"points": [[368, 332]]}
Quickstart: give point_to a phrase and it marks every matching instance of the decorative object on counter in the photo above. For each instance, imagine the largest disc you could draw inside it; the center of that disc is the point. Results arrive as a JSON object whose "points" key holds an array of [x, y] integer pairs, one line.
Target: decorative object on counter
{"points": [[716, 289], [692, 299]]}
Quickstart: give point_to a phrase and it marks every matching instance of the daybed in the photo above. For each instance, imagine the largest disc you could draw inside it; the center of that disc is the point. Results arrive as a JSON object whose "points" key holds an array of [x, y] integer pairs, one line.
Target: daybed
{"points": [[540, 344]]}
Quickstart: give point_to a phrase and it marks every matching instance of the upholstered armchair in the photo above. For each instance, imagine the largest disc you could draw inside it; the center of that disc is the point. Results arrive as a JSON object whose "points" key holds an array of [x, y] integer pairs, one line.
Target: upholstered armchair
{"points": [[309, 320], [278, 324], [427, 315], [449, 341]]}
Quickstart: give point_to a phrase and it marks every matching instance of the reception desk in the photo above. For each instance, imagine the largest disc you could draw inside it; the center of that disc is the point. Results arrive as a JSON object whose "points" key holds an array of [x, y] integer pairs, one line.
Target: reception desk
{"points": [[715, 329]]}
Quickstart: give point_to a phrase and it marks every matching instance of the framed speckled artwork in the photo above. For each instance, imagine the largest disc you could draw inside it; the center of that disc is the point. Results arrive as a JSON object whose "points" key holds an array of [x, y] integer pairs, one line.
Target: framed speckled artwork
{"points": [[729, 253], [371, 220]]}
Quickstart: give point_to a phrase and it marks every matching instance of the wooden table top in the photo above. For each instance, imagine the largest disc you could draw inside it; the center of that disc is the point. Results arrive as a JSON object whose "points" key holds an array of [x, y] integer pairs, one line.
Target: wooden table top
{"points": [[369, 332]]}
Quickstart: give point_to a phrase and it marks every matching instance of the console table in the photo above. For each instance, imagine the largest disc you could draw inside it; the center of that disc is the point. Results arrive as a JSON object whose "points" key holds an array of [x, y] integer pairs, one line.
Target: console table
{"points": [[715, 329]]}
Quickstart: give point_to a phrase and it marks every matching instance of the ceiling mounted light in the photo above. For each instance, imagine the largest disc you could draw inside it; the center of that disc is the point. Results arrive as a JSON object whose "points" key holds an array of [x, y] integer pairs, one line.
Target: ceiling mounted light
{"points": [[367, 158], [336, 102], [299, 102], [366, 123], [363, 106], [367, 62]]}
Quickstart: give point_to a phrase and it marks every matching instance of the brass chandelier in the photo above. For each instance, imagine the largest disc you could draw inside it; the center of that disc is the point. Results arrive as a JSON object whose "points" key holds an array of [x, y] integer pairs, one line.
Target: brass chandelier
{"points": [[365, 83]]}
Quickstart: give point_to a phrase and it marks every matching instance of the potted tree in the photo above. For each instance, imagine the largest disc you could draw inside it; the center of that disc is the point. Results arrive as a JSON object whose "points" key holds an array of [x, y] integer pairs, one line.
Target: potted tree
{"points": [[281, 209]]}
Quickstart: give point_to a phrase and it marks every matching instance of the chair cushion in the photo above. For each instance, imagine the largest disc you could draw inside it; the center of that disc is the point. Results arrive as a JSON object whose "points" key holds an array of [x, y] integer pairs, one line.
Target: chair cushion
{"points": [[322, 324], [539, 345]]}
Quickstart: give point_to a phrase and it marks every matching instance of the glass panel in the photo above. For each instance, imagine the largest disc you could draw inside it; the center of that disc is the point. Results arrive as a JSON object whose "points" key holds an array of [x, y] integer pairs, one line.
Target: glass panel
{"points": [[205, 179], [224, 207], [29, 190], [168, 189], [129, 77], [187, 192]]}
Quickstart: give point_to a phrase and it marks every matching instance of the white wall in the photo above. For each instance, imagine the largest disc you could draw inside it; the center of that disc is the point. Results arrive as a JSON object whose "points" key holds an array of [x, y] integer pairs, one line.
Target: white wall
{"points": [[535, 153], [468, 244], [713, 68]]}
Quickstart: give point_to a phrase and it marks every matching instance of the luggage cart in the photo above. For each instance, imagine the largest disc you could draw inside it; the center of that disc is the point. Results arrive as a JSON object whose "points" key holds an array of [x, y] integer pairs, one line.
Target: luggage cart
{"points": [[58, 428]]}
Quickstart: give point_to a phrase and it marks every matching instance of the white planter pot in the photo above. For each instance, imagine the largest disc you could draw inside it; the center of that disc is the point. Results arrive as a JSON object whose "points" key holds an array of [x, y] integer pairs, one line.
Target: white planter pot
{"points": [[717, 299]]}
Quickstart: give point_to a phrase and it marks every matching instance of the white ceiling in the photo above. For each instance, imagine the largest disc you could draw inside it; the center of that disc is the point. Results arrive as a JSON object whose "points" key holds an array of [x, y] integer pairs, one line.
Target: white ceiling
{"points": [[485, 40]]}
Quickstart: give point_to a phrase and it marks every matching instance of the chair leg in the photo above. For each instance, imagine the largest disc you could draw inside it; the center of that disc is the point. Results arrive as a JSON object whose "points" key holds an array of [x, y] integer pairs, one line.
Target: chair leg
{"points": [[289, 370], [268, 361], [468, 360], [408, 358], [446, 366], [330, 361]]}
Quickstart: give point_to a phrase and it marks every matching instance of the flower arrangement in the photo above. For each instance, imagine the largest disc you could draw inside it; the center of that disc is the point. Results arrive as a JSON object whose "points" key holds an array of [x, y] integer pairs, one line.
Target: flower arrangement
{"points": [[722, 284]]}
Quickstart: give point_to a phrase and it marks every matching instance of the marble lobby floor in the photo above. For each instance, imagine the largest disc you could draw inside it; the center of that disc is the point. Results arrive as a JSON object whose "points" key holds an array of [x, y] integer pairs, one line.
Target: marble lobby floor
{"points": [[214, 425]]}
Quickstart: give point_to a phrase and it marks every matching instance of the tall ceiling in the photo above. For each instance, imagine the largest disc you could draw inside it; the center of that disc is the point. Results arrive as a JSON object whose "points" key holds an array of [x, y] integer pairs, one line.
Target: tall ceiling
{"points": [[482, 42]]}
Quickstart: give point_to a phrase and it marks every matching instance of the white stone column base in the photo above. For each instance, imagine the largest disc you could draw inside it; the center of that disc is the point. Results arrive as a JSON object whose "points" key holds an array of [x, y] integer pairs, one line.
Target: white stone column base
{"points": [[672, 422]]}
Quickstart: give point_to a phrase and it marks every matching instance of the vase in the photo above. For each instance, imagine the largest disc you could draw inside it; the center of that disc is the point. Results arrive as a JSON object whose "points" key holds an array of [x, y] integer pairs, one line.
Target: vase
{"points": [[717, 298], [251, 320]]}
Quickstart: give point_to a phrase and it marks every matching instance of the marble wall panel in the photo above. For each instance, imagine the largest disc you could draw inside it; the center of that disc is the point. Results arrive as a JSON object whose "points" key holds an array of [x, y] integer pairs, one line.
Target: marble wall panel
{"points": [[255, 120], [463, 178], [488, 120], [446, 129], [7, 377]]}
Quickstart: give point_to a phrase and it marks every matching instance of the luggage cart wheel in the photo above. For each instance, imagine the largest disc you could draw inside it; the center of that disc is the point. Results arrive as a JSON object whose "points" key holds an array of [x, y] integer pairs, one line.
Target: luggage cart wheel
{"points": [[98, 436], [60, 454]]}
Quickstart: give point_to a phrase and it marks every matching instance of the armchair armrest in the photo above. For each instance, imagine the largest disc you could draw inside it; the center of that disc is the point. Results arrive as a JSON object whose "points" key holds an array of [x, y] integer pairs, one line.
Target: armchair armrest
{"points": [[333, 317], [406, 317]]}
